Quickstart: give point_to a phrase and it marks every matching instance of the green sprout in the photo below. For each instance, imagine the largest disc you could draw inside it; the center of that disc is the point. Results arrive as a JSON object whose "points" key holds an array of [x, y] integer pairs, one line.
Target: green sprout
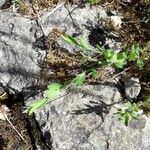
{"points": [[108, 56], [134, 55], [128, 112], [50, 94], [99, 56], [79, 79]]}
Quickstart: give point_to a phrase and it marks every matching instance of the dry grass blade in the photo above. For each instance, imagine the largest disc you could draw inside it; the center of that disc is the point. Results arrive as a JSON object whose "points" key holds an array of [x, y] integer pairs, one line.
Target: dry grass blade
{"points": [[7, 119]]}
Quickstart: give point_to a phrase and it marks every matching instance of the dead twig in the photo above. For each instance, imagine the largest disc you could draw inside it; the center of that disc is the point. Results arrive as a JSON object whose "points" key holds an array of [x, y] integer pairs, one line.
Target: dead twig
{"points": [[3, 95], [7, 119], [116, 75]]}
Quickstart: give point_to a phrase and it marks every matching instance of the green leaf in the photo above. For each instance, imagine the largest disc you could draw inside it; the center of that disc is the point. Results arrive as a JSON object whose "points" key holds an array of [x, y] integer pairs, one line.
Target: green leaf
{"points": [[135, 115], [134, 53], [128, 112], [108, 54], [127, 119], [92, 2], [95, 74], [121, 60], [79, 79], [83, 44], [53, 89], [71, 40], [140, 63], [113, 58], [99, 49], [36, 105], [54, 86]]}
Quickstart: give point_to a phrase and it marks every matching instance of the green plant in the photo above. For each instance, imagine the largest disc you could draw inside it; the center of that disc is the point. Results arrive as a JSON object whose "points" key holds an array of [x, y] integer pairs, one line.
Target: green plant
{"points": [[79, 79], [94, 73], [106, 56], [49, 95], [134, 55], [113, 58], [99, 56], [52, 91], [128, 112], [92, 2]]}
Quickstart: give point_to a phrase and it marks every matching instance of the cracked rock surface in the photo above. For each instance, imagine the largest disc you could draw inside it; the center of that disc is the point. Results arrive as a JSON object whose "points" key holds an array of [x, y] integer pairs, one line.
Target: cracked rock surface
{"points": [[74, 21], [83, 120], [20, 61]]}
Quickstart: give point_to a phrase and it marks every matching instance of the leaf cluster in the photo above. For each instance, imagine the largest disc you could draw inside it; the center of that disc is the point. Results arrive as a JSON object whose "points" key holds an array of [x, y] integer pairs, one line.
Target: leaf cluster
{"points": [[128, 112], [50, 94], [52, 91], [101, 56], [106, 57]]}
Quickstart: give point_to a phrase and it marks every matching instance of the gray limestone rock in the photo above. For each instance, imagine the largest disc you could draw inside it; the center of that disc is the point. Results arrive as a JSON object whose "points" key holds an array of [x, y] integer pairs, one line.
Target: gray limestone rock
{"points": [[74, 121], [2, 2], [20, 61], [132, 87], [80, 22], [82, 119]]}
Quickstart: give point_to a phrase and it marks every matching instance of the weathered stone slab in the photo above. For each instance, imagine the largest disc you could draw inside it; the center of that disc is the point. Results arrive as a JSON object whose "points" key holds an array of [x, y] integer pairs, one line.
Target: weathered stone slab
{"points": [[83, 120], [20, 61], [80, 22]]}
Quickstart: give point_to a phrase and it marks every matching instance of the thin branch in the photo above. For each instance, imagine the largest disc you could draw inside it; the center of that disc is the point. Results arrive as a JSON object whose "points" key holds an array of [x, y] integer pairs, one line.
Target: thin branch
{"points": [[116, 75], [3, 95], [5, 116]]}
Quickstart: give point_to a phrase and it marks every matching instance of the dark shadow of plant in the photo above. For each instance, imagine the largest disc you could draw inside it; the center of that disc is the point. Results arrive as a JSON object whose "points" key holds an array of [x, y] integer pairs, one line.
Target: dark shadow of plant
{"points": [[101, 109], [99, 34]]}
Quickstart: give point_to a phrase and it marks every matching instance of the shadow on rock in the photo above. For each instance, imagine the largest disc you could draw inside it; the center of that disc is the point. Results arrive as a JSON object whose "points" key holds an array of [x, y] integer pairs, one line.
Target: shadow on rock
{"points": [[99, 34], [100, 109]]}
